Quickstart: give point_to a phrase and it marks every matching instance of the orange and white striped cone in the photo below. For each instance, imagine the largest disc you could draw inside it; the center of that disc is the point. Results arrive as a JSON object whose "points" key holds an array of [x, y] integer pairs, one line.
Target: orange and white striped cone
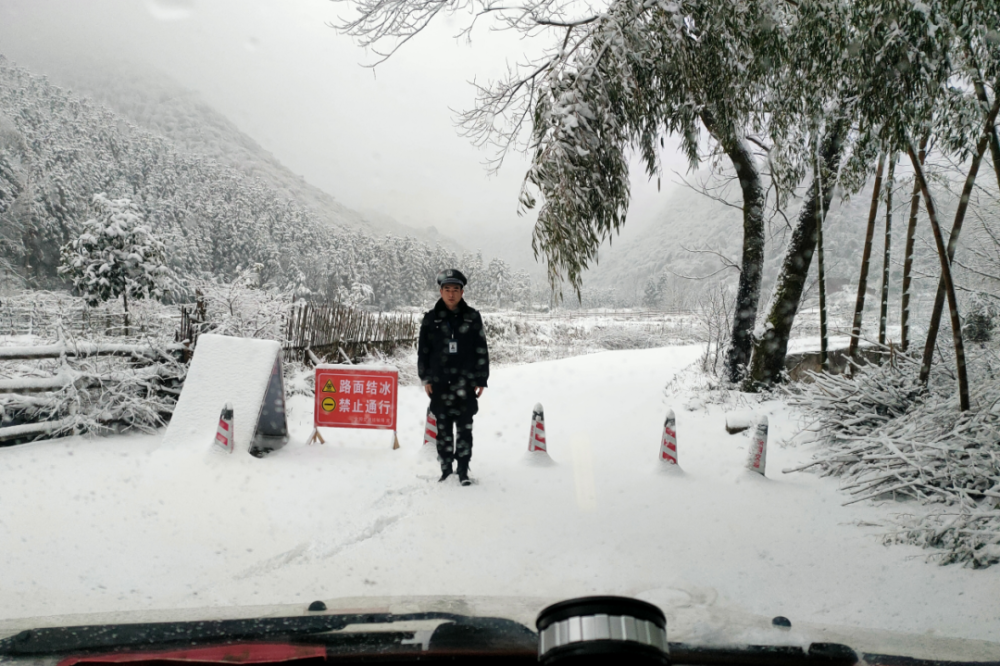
{"points": [[430, 430], [757, 458], [537, 441], [224, 433], [668, 444]]}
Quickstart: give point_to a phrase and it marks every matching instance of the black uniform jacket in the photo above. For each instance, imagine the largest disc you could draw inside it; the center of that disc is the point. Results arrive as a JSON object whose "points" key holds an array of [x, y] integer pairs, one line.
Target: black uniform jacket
{"points": [[451, 352]]}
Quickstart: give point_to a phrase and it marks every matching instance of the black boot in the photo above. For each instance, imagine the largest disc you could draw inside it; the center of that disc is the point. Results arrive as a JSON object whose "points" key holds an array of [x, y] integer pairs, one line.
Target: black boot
{"points": [[445, 472], [463, 473]]}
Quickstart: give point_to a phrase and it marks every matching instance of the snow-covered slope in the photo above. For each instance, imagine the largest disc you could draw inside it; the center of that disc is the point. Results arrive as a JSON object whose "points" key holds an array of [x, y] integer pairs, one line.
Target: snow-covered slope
{"points": [[58, 150], [151, 100], [124, 523]]}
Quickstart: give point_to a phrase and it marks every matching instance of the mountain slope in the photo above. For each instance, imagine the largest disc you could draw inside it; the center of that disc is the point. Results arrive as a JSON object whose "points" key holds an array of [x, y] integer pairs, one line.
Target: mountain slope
{"points": [[151, 100], [58, 150], [683, 239]]}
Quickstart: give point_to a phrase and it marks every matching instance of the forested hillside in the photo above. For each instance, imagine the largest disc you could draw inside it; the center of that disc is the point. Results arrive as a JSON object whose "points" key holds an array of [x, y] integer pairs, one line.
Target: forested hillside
{"points": [[151, 100], [58, 150]]}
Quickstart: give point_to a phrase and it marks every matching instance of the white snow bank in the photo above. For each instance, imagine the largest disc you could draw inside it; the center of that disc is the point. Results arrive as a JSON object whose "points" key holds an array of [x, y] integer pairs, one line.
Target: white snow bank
{"points": [[812, 344], [224, 369]]}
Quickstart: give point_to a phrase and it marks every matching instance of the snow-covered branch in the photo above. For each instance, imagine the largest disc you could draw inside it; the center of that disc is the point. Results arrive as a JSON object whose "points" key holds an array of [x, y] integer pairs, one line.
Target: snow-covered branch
{"points": [[81, 349], [886, 436]]}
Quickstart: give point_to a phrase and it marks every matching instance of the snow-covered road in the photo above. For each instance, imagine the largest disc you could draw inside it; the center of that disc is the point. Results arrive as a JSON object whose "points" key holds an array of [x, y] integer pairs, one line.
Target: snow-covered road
{"points": [[125, 523]]}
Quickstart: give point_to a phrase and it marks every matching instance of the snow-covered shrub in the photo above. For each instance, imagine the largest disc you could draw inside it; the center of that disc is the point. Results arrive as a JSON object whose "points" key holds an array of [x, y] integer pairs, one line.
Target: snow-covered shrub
{"points": [[115, 255], [715, 315], [243, 308], [886, 436], [980, 315]]}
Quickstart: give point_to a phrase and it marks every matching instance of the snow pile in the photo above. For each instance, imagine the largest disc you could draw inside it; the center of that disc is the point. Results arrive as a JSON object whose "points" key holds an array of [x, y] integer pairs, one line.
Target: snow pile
{"points": [[224, 370], [888, 437]]}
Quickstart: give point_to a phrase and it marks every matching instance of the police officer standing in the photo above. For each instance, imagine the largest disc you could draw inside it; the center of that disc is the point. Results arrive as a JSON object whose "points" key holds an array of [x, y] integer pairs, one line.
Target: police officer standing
{"points": [[454, 365]]}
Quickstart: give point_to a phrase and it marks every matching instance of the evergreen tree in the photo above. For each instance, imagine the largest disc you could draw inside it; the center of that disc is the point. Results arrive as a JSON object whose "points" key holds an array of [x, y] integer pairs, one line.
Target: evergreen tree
{"points": [[115, 255]]}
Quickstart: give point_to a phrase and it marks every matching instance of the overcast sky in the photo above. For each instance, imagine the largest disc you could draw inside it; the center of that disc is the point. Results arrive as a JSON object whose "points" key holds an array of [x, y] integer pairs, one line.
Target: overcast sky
{"points": [[381, 140]]}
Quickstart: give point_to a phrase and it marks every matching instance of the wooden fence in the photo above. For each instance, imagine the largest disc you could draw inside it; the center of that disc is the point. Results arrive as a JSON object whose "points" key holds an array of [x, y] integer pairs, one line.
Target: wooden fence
{"points": [[43, 313], [35, 319], [330, 331]]}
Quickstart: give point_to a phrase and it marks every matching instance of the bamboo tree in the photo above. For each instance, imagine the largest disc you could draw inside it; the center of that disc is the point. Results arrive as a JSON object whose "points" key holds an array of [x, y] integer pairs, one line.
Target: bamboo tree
{"points": [[945, 287], [866, 256], [824, 342], [949, 286], [984, 100], [911, 232], [884, 311]]}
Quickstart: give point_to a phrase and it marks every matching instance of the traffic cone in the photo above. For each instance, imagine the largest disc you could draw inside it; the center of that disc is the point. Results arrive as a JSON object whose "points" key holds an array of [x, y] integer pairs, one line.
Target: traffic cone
{"points": [[668, 445], [431, 430], [224, 433], [757, 458], [537, 440]]}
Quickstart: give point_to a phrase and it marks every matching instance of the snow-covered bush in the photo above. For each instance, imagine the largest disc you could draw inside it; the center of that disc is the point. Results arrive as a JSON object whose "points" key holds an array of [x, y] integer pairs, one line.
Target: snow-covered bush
{"points": [[980, 315], [714, 314], [886, 436], [115, 255], [242, 308]]}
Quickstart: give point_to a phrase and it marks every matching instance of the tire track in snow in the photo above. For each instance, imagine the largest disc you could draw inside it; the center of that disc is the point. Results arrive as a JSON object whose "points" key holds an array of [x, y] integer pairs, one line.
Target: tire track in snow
{"points": [[307, 552]]}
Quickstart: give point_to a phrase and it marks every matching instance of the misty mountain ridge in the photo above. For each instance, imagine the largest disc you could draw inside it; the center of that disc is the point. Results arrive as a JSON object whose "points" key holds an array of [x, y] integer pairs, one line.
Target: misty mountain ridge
{"points": [[680, 246], [153, 101], [684, 239], [58, 150]]}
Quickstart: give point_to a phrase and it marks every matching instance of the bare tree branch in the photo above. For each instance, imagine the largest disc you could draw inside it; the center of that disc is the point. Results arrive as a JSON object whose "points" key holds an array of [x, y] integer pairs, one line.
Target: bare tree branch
{"points": [[702, 277], [727, 262], [707, 192]]}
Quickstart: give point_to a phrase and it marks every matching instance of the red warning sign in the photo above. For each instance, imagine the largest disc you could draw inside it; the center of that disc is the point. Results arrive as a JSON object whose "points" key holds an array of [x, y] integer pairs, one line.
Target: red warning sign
{"points": [[356, 396]]}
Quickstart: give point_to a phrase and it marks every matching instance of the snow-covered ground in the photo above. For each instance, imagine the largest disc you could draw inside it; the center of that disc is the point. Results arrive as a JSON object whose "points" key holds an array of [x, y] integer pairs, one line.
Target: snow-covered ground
{"points": [[123, 523]]}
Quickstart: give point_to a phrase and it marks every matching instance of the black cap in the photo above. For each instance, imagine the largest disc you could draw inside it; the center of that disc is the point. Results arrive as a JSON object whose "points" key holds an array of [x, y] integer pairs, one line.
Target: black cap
{"points": [[451, 276]]}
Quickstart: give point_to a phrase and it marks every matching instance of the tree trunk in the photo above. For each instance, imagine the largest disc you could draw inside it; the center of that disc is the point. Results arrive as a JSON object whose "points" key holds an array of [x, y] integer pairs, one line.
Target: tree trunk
{"points": [[752, 263], [768, 361], [911, 234], [949, 254], [866, 257], [824, 341], [991, 130], [956, 325], [883, 314], [125, 302]]}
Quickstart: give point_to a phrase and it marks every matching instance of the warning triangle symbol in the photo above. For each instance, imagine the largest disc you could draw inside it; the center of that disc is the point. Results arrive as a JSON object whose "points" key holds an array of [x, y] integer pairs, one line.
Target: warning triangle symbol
{"points": [[328, 388]]}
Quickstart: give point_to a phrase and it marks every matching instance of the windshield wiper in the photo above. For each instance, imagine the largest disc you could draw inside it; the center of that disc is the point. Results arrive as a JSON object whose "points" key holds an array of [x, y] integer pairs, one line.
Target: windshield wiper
{"points": [[498, 631]]}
